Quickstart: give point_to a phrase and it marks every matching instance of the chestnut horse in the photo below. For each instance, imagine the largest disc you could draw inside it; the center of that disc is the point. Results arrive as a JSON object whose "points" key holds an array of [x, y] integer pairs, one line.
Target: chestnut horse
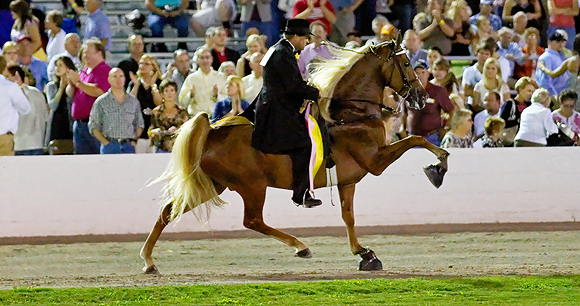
{"points": [[206, 160]]}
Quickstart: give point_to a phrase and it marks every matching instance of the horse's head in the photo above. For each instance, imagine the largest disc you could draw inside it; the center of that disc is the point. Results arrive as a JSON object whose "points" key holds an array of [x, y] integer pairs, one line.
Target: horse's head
{"points": [[399, 74]]}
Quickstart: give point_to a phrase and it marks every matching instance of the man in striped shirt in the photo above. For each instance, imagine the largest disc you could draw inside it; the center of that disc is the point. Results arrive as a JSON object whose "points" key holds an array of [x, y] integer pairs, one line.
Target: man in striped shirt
{"points": [[116, 119]]}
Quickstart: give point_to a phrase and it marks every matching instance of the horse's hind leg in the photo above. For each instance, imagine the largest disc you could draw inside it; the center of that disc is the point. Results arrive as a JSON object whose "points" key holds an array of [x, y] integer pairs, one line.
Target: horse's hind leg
{"points": [[369, 261], [147, 248], [254, 219]]}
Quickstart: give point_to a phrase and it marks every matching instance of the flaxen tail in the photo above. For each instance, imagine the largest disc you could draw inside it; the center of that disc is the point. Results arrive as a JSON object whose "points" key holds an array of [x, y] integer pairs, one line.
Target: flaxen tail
{"points": [[188, 186]]}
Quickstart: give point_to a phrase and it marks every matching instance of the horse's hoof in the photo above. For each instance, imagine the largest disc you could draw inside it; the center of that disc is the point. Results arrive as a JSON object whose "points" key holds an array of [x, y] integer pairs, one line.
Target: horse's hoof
{"points": [[369, 261], [435, 174], [304, 253], [151, 270]]}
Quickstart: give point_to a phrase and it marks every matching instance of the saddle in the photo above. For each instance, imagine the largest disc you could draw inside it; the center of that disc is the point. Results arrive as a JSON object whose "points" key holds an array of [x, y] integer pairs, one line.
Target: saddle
{"points": [[231, 121]]}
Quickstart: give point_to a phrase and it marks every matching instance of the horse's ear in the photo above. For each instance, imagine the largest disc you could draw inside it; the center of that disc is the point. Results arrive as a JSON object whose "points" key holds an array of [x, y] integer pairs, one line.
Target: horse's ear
{"points": [[399, 40]]}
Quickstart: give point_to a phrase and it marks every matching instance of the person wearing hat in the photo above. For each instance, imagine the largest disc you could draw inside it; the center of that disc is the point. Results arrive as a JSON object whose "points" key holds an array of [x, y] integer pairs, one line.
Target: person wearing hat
{"points": [[279, 126], [552, 58], [486, 10], [427, 121]]}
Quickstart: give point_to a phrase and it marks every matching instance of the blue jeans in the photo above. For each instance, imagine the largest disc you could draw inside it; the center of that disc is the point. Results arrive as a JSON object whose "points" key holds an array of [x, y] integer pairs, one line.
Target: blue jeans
{"points": [[571, 34], [84, 141], [157, 23], [267, 28], [434, 139], [29, 152], [114, 147]]}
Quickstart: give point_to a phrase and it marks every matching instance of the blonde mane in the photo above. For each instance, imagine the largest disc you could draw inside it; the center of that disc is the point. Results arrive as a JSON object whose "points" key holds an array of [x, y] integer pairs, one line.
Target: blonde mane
{"points": [[327, 73]]}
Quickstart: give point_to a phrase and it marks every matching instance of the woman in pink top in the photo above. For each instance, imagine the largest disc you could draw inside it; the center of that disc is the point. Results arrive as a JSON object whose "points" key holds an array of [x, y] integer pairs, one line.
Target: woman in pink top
{"points": [[562, 14]]}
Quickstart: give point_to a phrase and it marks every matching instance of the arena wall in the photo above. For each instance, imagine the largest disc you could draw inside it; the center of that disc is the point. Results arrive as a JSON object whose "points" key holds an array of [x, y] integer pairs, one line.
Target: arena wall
{"points": [[108, 195]]}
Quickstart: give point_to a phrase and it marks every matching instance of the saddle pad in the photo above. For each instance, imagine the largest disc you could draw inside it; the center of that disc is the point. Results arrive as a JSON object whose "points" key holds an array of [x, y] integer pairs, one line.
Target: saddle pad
{"points": [[229, 121]]}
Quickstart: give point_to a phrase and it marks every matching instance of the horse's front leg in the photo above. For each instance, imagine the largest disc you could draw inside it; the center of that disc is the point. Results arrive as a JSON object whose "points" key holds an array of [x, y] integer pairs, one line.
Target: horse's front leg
{"points": [[369, 260], [389, 154]]}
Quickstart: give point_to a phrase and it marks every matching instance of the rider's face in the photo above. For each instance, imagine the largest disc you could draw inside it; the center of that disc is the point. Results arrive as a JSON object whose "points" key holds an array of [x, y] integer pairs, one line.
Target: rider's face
{"points": [[300, 42]]}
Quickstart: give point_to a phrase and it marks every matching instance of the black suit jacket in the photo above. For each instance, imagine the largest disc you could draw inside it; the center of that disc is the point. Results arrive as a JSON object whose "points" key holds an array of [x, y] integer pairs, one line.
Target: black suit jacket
{"points": [[279, 126], [231, 55]]}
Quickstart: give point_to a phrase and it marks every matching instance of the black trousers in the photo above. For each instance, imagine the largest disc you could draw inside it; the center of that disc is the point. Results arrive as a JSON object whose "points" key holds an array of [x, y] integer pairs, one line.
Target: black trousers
{"points": [[300, 178]]}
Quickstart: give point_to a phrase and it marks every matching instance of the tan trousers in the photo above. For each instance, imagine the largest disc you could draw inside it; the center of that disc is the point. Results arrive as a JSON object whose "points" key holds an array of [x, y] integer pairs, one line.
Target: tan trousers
{"points": [[7, 145]]}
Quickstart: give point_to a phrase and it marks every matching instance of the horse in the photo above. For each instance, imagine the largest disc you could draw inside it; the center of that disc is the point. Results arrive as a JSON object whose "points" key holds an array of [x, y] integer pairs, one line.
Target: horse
{"points": [[206, 160]]}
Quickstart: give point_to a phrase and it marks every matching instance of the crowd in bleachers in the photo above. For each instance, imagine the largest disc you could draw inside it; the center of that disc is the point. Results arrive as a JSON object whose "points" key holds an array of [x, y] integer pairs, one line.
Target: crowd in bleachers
{"points": [[520, 90]]}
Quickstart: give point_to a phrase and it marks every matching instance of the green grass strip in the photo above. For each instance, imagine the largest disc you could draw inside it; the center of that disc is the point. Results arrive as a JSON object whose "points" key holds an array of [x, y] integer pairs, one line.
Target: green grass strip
{"points": [[496, 290]]}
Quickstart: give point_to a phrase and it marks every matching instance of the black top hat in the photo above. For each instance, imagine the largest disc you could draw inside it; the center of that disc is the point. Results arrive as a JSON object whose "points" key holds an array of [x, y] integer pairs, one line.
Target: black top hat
{"points": [[297, 26]]}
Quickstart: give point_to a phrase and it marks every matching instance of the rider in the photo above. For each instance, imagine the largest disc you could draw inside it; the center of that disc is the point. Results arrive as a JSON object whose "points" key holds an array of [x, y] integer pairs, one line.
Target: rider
{"points": [[280, 127]]}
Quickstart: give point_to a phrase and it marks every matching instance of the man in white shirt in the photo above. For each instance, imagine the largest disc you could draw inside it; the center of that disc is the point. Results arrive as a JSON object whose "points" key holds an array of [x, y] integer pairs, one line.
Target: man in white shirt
{"points": [[13, 103], [29, 139], [72, 45], [473, 74], [254, 81], [491, 100], [203, 88]]}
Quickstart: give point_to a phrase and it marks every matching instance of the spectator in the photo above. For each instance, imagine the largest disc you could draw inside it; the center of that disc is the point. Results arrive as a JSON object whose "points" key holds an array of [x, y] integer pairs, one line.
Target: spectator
{"points": [[97, 24], [200, 91], [72, 46], [254, 43], [212, 13], [166, 118], [459, 13], [227, 68], [405, 11], [491, 81], [37, 66], [561, 14], [433, 54], [355, 37], [566, 114], [511, 110], [7, 22], [444, 77], [116, 119], [254, 81], [536, 121], [10, 53], [258, 14], [532, 52], [318, 47], [377, 26], [459, 135], [509, 50], [14, 104], [427, 122], [170, 12], [59, 122], [486, 11], [144, 86], [520, 22], [532, 9], [131, 64], [493, 132], [483, 32], [473, 74], [179, 69], [412, 44], [220, 52], [345, 20], [314, 10], [503, 62], [570, 65], [86, 86], [551, 59], [29, 140], [233, 105], [491, 100], [72, 10], [26, 25], [433, 27], [56, 35]]}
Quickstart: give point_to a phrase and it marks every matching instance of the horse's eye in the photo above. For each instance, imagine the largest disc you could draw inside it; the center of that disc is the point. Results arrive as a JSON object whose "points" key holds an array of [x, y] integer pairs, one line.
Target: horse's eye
{"points": [[407, 64]]}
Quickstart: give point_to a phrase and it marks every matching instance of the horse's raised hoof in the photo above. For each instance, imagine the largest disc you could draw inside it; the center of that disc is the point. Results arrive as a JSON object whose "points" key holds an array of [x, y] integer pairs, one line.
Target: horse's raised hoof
{"points": [[369, 261], [151, 270], [435, 174], [304, 253]]}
